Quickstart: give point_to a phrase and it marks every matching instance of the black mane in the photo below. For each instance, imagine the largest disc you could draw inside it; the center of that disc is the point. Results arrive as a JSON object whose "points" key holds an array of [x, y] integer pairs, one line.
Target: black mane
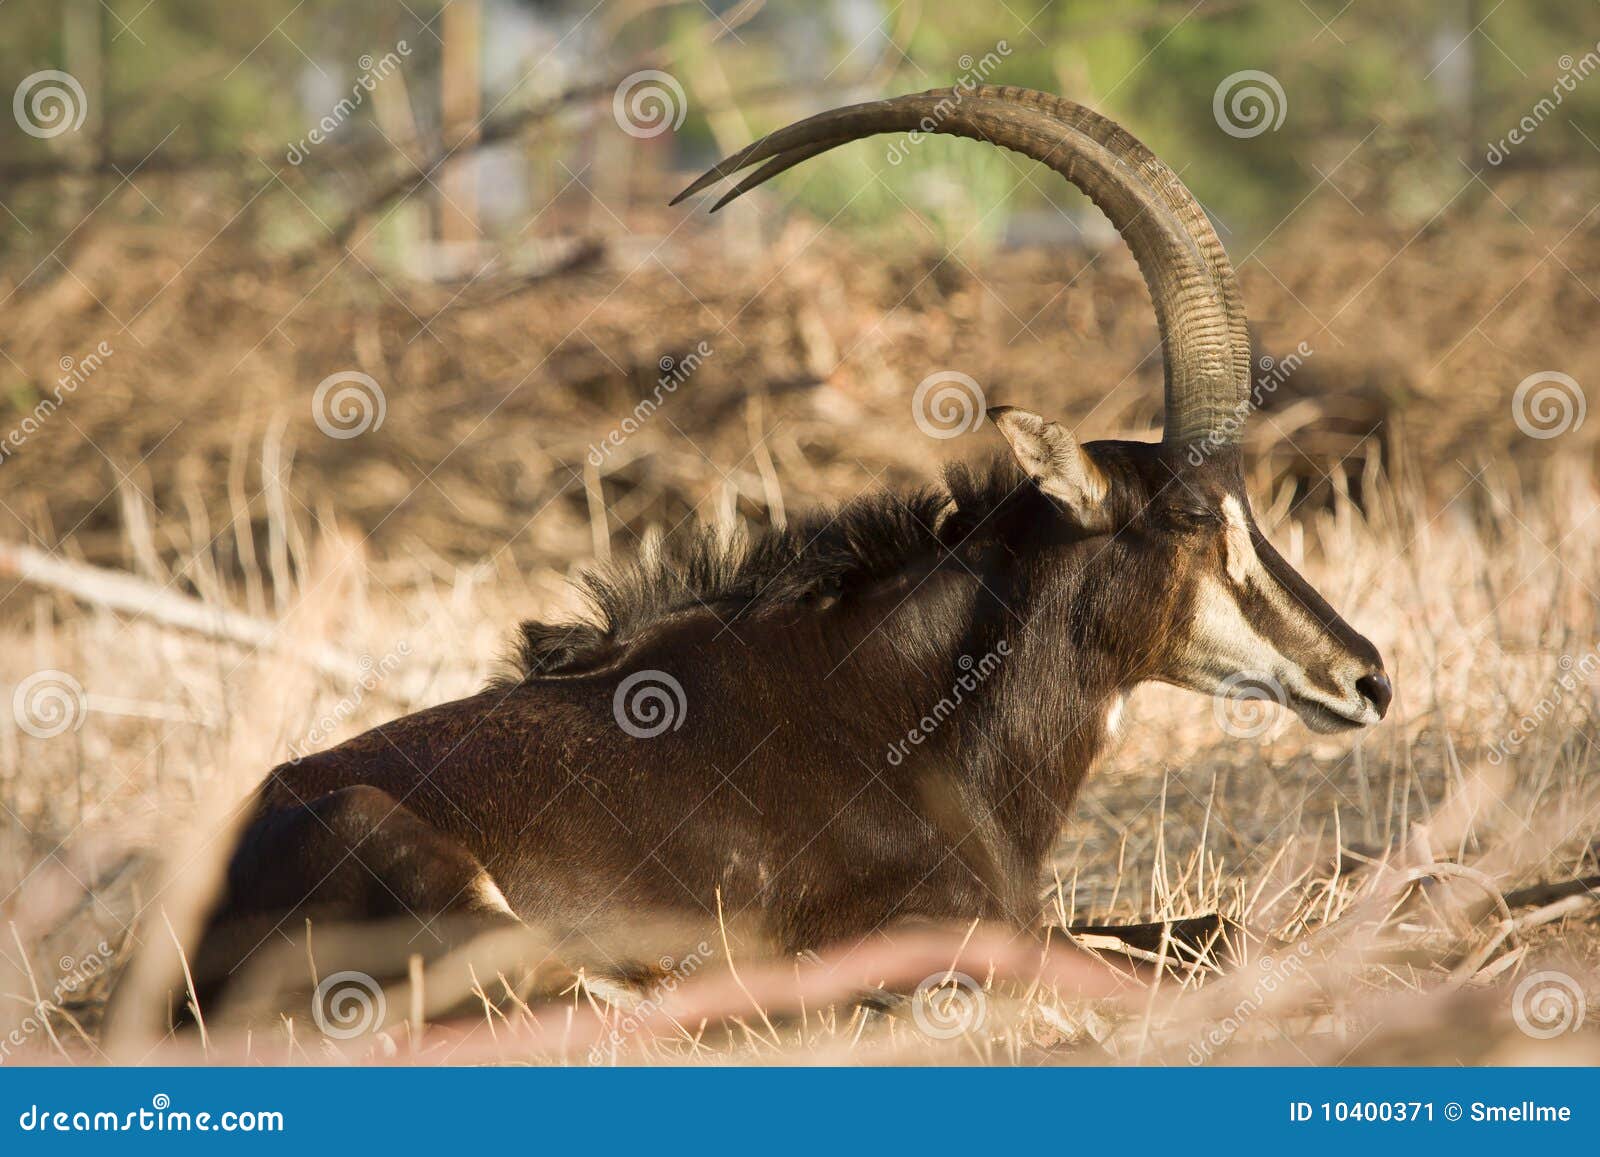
{"points": [[822, 557]]}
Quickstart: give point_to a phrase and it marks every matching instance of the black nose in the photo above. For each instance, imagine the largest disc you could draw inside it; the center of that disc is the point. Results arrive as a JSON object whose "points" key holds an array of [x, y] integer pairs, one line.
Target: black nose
{"points": [[1376, 690]]}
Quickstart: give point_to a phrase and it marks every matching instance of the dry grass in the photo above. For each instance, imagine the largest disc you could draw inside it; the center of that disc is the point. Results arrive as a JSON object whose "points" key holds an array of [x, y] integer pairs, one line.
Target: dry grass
{"points": [[1368, 873]]}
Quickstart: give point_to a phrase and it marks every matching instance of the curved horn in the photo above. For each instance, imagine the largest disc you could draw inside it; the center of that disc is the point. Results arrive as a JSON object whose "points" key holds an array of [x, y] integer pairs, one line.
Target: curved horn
{"points": [[1196, 298], [1175, 194]]}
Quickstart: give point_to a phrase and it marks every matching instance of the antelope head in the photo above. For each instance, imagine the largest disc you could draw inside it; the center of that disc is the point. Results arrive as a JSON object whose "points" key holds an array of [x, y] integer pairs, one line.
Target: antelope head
{"points": [[1220, 611]]}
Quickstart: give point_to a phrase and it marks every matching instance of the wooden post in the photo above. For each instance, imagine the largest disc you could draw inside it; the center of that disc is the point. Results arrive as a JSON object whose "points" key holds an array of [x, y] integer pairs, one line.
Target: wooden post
{"points": [[83, 57], [461, 102]]}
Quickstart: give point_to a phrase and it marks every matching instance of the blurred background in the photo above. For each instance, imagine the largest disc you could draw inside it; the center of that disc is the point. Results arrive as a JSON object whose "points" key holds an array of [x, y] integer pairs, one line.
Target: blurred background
{"points": [[467, 203], [338, 333]]}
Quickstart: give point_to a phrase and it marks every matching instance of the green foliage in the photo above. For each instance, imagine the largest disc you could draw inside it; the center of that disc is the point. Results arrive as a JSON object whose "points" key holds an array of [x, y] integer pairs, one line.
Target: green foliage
{"points": [[1393, 96], [943, 193]]}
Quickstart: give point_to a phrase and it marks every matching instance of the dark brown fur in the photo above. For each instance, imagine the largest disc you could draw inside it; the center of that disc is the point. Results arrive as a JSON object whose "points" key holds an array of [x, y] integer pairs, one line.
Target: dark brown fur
{"points": [[803, 658], [827, 762]]}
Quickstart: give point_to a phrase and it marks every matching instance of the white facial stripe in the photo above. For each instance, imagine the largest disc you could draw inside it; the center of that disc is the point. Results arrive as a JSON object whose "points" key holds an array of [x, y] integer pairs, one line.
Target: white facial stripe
{"points": [[1225, 643], [1221, 627], [1223, 638], [1244, 565], [1239, 551]]}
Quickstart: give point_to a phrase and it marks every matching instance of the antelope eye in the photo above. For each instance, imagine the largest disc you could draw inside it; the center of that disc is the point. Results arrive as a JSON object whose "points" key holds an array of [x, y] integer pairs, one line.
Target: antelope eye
{"points": [[1194, 517]]}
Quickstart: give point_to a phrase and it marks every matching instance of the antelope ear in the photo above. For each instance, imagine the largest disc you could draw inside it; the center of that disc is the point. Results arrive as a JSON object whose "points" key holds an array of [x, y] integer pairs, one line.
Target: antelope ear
{"points": [[1052, 457]]}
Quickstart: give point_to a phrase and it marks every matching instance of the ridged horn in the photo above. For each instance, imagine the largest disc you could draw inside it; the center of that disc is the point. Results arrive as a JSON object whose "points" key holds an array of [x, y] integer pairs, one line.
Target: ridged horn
{"points": [[1203, 331]]}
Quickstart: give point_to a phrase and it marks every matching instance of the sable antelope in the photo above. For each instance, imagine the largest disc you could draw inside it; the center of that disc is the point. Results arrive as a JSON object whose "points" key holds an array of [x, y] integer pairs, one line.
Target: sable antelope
{"points": [[882, 712]]}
